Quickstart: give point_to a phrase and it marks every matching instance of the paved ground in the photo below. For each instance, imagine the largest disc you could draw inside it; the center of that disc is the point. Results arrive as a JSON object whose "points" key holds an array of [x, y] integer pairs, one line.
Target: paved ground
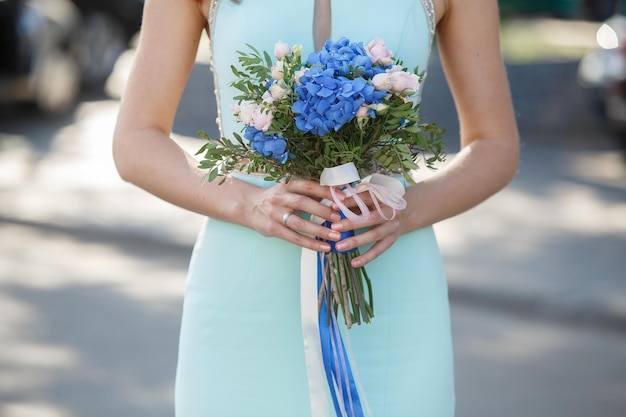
{"points": [[92, 275]]}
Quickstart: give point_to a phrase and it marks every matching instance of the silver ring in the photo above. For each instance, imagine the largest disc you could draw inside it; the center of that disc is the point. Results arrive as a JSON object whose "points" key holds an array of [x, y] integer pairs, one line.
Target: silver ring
{"points": [[286, 216]]}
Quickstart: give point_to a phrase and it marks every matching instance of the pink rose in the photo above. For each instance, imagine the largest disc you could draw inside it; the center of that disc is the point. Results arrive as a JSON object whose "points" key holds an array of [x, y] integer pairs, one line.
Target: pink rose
{"points": [[281, 50], [262, 119], [404, 82], [378, 52]]}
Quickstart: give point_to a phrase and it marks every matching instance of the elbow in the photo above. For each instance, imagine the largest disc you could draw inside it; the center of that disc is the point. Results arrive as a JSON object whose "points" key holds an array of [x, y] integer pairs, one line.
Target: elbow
{"points": [[514, 156], [122, 159], [509, 157]]}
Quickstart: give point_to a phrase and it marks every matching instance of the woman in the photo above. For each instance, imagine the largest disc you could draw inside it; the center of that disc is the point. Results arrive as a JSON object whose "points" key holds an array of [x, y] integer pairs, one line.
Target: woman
{"points": [[241, 349]]}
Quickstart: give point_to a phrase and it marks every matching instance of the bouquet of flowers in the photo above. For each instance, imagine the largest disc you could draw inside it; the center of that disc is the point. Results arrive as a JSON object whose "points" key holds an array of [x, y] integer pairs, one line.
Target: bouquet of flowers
{"points": [[347, 107]]}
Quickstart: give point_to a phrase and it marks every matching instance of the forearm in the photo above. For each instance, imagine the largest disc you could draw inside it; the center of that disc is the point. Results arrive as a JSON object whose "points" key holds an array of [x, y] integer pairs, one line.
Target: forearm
{"points": [[478, 171], [155, 163]]}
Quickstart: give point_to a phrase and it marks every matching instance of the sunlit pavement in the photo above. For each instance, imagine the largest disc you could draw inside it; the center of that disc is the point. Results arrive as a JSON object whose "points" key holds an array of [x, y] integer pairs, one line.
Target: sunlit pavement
{"points": [[92, 276]]}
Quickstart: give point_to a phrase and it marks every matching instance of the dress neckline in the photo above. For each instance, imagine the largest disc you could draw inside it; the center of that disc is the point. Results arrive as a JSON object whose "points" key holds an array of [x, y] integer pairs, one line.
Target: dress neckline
{"points": [[429, 8]]}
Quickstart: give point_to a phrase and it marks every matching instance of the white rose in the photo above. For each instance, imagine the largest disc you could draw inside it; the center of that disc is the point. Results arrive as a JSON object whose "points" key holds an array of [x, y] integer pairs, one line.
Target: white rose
{"points": [[235, 109], [246, 109], [382, 81], [267, 98], [297, 75], [379, 108], [297, 50], [279, 90], [278, 70]]}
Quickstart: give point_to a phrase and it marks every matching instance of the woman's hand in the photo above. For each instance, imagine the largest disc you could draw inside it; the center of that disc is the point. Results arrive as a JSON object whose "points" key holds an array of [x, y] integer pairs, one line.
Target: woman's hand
{"points": [[269, 209], [381, 230]]}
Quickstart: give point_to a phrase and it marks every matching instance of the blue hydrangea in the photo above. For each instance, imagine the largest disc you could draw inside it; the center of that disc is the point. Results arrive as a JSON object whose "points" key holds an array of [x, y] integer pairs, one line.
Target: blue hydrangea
{"points": [[267, 144], [345, 59], [326, 102]]}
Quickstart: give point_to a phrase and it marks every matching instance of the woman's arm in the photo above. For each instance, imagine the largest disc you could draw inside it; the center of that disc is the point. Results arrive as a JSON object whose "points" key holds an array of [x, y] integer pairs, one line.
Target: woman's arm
{"points": [[468, 39], [468, 36], [146, 156]]}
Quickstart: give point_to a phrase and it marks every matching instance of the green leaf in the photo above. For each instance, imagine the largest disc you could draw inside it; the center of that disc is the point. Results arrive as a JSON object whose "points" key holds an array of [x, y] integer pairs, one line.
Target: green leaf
{"points": [[213, 174]]}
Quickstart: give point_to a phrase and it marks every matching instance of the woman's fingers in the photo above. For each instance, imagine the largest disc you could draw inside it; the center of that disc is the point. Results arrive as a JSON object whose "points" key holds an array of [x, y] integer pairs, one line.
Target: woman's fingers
{"points": [[374, 252], [304, 233], [277, 211], [382, 234], [375, 217], [309, 188], [308, 196]]}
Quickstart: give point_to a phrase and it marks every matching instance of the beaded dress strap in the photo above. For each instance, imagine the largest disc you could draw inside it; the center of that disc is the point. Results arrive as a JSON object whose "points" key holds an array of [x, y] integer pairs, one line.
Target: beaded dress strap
{"points": [[429, 8], [212, 12]]}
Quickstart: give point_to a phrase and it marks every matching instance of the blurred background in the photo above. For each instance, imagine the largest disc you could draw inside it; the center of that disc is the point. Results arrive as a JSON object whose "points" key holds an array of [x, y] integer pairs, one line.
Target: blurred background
{"points": [[92, 269]]}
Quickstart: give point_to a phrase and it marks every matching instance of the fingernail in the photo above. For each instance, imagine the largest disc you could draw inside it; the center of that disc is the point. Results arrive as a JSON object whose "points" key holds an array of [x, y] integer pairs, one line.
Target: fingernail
{"points": [[341, 246], [324, 247], [335, 217], [357, 263], [334, 235], [337, 226]]}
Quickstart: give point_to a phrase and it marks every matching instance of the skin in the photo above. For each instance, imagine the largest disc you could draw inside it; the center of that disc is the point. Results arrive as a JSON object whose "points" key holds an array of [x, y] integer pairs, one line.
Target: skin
{"points": [[486, 163]]}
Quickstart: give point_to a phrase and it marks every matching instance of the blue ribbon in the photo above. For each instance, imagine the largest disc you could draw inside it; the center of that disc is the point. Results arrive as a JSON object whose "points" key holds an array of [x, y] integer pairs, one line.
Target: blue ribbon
{"points": [[336, 362]]}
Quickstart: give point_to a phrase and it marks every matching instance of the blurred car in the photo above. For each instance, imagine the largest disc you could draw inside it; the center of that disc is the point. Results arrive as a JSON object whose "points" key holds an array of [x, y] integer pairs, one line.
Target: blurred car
{"points": [[108, 27], [604, 69], [557, 8], [40, 52], [600, 10]]}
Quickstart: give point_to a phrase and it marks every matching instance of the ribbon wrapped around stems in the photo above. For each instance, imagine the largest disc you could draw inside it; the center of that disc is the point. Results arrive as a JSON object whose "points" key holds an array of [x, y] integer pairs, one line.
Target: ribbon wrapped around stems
{"points": [[337, 287], [382, 188]]}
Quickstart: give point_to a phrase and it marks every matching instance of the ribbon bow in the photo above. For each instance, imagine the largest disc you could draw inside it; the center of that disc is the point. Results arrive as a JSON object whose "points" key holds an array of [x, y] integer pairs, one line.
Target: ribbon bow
{"points": [[382, 188]]}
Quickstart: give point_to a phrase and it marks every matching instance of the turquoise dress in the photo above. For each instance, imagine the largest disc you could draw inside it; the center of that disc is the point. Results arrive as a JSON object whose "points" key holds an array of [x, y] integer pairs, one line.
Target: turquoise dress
{"points": [[241, 345]]}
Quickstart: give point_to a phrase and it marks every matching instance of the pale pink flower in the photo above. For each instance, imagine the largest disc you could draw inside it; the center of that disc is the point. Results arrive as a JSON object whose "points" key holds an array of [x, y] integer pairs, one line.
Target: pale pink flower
{"points": [[262, 119], [362, 112], [267, 98], [404, 82], [281, 50], [378, 52]]}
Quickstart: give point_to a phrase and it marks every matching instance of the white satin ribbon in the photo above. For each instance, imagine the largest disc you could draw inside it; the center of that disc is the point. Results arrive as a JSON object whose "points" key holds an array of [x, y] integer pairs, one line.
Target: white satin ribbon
{"points": [[382, 188], [318, 387]]}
